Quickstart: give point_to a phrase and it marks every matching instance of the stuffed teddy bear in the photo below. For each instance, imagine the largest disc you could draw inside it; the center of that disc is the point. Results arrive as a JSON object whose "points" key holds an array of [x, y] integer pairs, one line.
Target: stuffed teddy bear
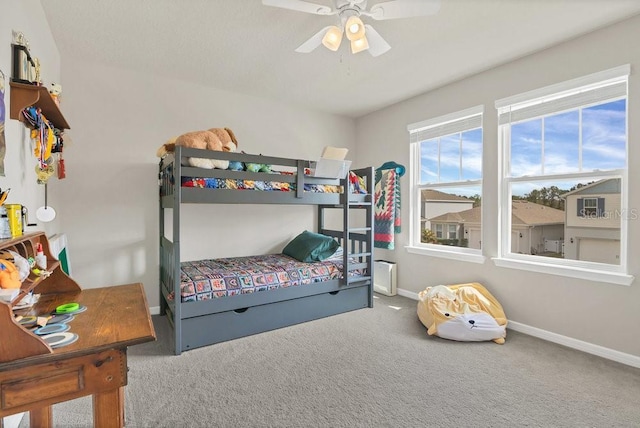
{"points": [[464, 312], [218, 139]]}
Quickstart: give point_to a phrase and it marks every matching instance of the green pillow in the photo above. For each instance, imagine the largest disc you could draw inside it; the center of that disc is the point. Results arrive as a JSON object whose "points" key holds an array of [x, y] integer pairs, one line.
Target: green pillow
{"points": [[311, 247]]}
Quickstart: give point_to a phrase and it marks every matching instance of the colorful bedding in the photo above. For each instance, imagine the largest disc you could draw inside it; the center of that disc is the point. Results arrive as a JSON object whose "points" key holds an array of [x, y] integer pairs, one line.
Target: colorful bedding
{"points": [[356, 185], [210, 279]]}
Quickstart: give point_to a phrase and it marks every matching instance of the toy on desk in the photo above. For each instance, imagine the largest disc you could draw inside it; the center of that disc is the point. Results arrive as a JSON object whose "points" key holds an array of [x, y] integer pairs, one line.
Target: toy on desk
{"points": [[67, 307], [9, 275], [41, 272], [20, 263]]}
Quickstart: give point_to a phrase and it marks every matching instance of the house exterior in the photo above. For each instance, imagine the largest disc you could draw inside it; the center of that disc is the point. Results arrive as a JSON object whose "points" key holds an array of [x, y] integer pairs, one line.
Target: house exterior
{"points": [[465, 226], [436, 203], [592, 224], [533, 226]]}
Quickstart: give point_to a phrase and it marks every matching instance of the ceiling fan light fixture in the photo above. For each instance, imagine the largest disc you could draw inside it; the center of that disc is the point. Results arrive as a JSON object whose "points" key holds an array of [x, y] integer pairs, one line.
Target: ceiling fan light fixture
{"points": [[359, 45], [332, 38], [354, 28]]}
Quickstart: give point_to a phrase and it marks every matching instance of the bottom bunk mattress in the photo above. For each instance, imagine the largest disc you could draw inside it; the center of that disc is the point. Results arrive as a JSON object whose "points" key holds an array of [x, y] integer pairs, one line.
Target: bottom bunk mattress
{"points": [[215, 278]]}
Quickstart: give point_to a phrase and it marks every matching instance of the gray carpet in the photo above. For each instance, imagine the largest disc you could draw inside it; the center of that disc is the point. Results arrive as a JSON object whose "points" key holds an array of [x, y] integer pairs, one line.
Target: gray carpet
{"points": [[369, 368]]}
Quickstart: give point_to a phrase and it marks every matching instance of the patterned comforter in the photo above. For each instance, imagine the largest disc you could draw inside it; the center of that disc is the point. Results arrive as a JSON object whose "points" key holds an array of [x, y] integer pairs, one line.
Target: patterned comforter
{"points": [[210, 279], [356, 184]]}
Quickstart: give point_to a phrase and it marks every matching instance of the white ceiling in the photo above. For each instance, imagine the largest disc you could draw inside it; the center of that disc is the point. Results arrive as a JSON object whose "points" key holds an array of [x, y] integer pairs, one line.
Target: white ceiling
{"points": [[245, 47]]}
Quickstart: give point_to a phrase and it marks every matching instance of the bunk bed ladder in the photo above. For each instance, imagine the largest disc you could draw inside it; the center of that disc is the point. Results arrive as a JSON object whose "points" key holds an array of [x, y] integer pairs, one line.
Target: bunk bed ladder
{"points": [[356, 241], [369, 214]]}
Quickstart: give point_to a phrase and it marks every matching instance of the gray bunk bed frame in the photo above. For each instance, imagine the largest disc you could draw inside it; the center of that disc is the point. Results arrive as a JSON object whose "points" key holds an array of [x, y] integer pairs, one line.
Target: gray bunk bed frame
{"points": [[202, 323]]}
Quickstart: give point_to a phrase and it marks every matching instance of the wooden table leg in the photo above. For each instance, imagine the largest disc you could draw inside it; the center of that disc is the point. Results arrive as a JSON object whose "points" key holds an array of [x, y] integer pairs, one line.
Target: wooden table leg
{"points": [[42, 417], [108, 408]]}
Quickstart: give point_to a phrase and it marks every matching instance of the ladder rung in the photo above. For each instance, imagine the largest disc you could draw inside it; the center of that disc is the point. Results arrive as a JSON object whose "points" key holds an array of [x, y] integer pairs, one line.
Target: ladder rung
{"points": [[356, 266], [359, 254], [359, 229], [355, 279]]}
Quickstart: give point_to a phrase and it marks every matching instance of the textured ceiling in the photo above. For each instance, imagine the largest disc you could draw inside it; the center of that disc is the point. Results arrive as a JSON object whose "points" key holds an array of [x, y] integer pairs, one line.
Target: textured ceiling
{"points": [[243, 46]]}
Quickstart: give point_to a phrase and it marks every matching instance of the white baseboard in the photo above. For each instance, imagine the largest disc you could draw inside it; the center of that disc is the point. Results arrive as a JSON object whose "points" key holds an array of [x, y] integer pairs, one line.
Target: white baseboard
{"points": [[589, 348], [410, 294], [154, 310]]}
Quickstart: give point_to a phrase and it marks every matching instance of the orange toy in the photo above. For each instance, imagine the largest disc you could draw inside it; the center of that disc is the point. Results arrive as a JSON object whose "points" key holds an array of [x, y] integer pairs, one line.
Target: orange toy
{"points": [[9, 275]]}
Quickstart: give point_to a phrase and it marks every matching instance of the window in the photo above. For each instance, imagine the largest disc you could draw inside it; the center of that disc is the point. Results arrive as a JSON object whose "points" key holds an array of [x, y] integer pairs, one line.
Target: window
{"points": [[564, 172], [445, 231], [453, 231], [588, 207], [446, 184]]}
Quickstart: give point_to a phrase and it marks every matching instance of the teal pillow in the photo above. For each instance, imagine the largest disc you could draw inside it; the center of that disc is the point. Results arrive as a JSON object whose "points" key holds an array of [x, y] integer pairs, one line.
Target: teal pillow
{"points": [[311, 247]]}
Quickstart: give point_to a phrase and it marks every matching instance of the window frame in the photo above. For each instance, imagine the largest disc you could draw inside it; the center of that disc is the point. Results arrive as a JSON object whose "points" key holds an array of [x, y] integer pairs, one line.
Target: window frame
{"points": [[589, 211], [616, 274], [416, 246]]}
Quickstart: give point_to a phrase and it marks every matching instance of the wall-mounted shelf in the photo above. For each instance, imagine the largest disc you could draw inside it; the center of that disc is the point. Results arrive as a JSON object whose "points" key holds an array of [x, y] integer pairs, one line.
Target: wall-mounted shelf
{"points": [[23, 95]]}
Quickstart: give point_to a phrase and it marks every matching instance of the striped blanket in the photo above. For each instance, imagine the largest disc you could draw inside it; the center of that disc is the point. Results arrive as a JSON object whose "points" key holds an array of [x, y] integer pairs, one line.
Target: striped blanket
{"points": [[387, 208]]}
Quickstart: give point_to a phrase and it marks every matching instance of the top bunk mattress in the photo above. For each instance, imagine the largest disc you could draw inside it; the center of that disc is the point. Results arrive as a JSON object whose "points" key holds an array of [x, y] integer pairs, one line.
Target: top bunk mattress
{"points": [[215, 278]]}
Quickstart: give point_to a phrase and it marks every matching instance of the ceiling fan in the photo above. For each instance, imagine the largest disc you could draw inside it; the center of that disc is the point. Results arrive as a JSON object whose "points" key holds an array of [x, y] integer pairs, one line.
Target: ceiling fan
{"points": [[361, 36]]}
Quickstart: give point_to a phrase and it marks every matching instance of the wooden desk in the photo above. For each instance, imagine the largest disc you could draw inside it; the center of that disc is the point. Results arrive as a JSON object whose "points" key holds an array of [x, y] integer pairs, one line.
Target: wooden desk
{"points": [[96, 364]]}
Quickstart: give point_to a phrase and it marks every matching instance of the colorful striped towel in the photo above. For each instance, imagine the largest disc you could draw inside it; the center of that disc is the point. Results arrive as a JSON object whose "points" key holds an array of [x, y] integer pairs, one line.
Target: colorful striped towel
{"points": [[387, 208]]}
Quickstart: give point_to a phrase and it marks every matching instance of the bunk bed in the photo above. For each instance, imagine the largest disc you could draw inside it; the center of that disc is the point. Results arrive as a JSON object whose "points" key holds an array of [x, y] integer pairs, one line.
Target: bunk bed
{"points": [[221, 316]]}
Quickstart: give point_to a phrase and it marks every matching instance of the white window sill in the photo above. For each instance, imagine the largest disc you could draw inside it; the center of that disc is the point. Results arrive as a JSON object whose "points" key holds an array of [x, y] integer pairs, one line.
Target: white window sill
{"points": [[453, 253], [617, 278]]}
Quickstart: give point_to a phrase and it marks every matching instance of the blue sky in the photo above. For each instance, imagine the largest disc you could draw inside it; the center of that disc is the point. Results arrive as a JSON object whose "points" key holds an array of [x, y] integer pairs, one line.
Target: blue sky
{"points": [[460, 158], [533, 153], [603, 142]]}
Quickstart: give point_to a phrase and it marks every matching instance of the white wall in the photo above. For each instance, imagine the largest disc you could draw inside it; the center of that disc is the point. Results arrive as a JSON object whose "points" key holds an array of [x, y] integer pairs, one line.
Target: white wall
{"points": [[19, 164], [598, 313], [108, 204], [28, 17]]}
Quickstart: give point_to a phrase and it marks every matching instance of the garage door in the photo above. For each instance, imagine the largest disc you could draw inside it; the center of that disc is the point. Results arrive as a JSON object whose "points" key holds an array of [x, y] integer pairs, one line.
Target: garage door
{"points": [[599, 250]]}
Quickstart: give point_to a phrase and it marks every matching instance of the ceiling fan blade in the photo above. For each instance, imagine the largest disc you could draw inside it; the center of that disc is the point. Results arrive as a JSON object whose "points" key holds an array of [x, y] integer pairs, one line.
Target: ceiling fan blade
{"points": [[377, 45], [404, 9], [313, 42], [300, 6]]}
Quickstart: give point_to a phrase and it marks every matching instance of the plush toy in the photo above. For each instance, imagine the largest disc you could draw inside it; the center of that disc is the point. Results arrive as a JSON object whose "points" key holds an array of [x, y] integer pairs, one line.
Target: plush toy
{"points": [[236, 165], [465, 312], [258, 167], [218, 139], [9, 275], [56, 89], [22, 265]]}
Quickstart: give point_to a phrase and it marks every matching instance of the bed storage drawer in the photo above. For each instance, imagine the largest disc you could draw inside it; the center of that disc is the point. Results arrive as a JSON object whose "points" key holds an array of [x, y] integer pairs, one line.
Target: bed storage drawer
{"points": [[228, 325]]}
